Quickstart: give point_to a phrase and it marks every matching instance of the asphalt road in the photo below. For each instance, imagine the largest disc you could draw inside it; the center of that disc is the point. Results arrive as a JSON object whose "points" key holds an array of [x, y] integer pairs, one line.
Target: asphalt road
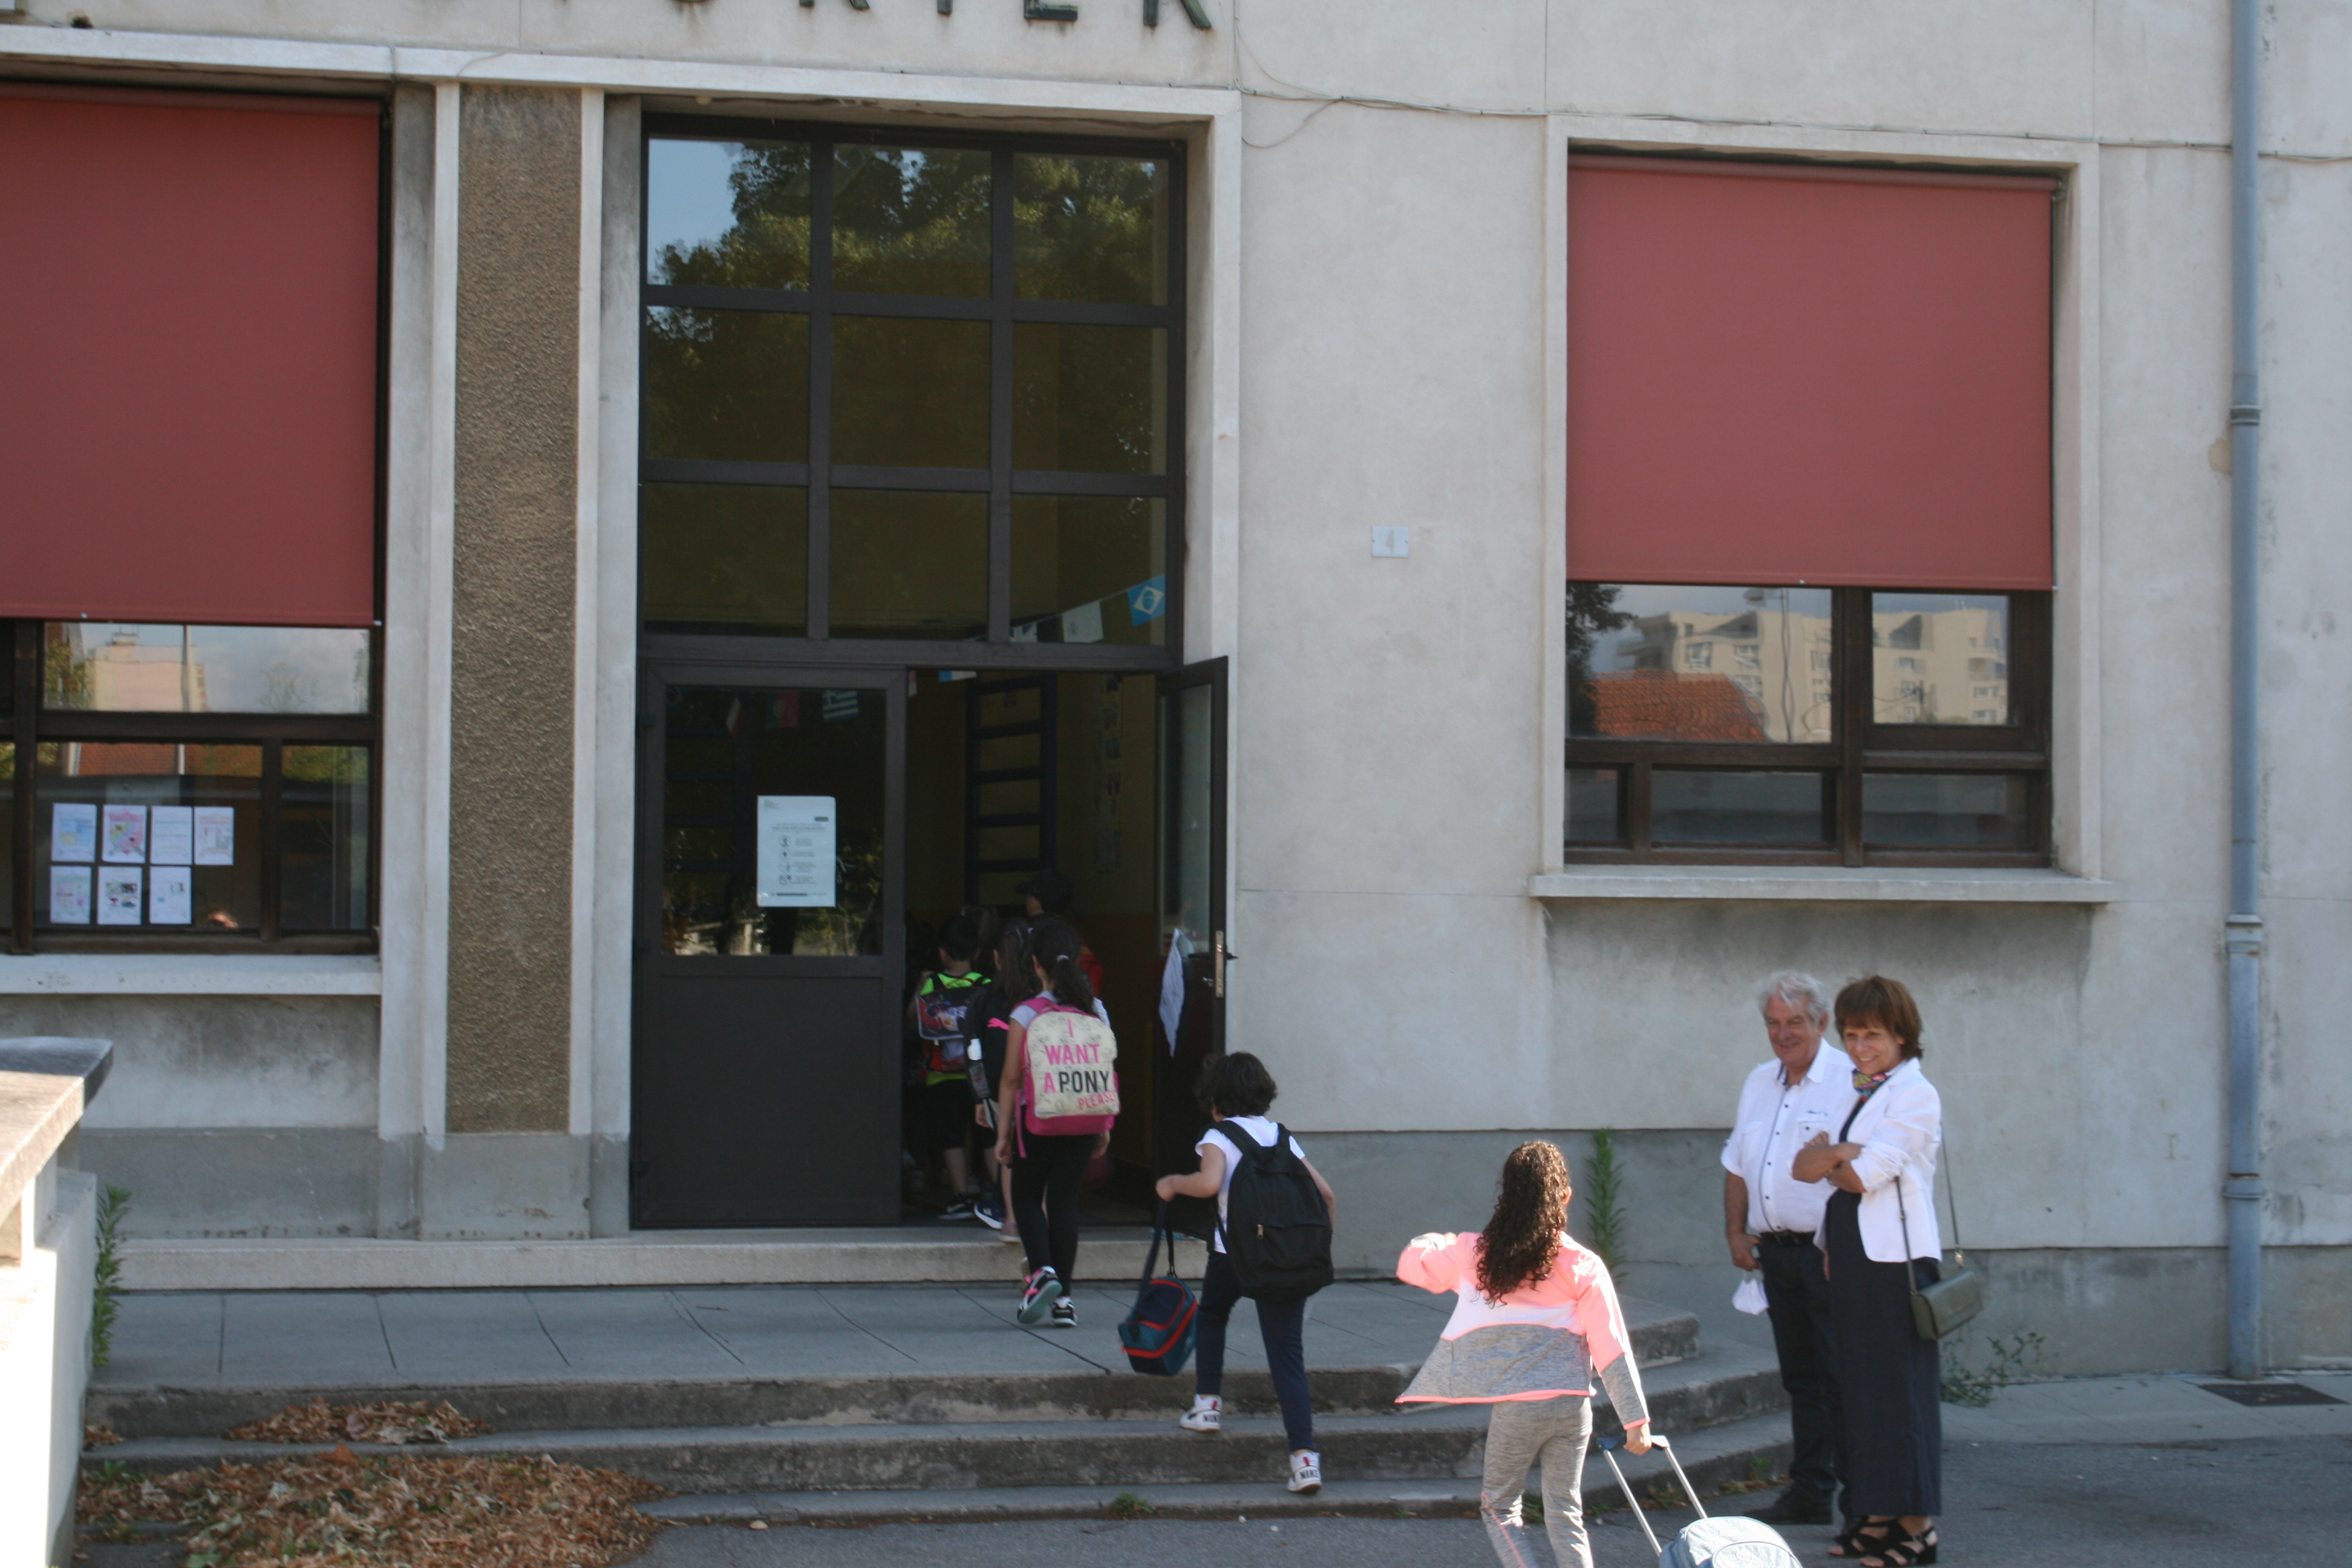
{"points": [[2015, 1505]]}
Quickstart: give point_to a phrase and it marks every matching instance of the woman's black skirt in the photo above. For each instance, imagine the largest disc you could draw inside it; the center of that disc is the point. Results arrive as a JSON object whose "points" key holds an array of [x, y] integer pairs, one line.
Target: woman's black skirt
{"points": [[1889, 1379]]}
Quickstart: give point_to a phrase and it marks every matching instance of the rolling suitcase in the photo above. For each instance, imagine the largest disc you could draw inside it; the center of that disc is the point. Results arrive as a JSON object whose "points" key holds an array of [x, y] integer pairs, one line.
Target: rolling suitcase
{"points": [[1734, 1540]]}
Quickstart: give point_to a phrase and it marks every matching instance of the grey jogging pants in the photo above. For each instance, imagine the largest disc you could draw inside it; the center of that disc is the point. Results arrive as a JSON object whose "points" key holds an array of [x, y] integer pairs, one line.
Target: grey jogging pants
{"points": [[1521, 1433]]}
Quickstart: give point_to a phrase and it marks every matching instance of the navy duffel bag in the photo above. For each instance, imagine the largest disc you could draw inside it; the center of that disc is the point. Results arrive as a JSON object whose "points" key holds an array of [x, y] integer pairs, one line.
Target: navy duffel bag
{"points": [[1157, 1333]]}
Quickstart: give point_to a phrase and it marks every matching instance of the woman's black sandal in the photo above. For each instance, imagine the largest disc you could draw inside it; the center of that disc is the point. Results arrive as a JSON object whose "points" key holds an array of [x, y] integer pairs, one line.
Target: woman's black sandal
{"points": [[1865, 1539], [1905, 1550]]}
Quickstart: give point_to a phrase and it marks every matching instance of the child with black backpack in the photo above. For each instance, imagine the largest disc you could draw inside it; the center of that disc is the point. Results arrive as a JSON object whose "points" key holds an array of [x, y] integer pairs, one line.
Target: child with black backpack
{"points": [[1277, 1209]]}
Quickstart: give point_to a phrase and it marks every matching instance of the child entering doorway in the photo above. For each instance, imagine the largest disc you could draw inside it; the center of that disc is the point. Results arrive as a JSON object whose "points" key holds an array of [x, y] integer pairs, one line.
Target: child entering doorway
{"points": [[939, 1011], [1237, 1090], [1535, 1318]]}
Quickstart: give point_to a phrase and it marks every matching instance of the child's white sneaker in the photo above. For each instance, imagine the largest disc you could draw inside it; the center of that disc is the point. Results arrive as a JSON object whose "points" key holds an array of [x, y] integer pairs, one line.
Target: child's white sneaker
{"points": [[1307, 1472], [1207, 1415]]}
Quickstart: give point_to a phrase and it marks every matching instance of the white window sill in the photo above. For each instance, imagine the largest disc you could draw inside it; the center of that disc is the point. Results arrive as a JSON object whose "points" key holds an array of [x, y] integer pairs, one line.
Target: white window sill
{"points": [[191, 974], [1839, 884]]}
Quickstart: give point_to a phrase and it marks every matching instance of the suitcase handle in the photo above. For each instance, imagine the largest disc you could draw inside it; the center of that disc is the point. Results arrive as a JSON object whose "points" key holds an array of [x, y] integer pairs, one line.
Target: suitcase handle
{"points": [[1609, 1447]]}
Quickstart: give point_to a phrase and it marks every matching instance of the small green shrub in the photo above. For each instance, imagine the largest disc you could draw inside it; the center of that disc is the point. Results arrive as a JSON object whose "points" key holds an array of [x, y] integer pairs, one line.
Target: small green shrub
{"points": [[2014, 1361], [106, 1287], [1605, 1204], [1132, 1505]]}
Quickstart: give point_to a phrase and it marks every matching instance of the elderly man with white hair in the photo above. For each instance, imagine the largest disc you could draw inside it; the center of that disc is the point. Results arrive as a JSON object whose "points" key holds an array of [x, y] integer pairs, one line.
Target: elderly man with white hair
{"points": [[1769, 1217]]}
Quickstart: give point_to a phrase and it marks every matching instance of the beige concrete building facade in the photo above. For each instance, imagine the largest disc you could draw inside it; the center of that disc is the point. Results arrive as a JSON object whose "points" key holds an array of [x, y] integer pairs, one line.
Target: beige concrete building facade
{"points": [[1373, 332]]}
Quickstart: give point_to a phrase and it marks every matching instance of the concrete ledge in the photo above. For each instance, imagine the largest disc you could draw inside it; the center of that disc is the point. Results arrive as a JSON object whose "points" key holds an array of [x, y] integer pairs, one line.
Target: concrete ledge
{"points": [[1869, 884], [667, 1259], [191, 974]]}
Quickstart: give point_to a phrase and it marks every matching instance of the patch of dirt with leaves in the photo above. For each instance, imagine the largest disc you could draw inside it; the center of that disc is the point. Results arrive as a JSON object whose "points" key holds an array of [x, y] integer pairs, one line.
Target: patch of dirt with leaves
{"points": [[420, 1421], [418, 1512]]}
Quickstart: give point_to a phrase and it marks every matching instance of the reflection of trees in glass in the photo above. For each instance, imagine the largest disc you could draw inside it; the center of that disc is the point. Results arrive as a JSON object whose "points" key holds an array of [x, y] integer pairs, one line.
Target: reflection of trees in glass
{"points": [[68, 679], [1592, 610], [1086, 398], [768, 247], [853, 925], [1086, 228], [905, 221]]}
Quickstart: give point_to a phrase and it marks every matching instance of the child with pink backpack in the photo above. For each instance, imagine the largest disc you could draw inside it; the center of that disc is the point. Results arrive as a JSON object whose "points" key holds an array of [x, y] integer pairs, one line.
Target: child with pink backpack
{"points": [[1056, 1100]]}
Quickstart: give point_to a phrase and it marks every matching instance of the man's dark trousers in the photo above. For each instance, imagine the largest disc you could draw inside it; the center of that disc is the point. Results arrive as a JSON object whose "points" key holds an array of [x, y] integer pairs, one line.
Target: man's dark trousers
{"points": [[1797, 1295]]}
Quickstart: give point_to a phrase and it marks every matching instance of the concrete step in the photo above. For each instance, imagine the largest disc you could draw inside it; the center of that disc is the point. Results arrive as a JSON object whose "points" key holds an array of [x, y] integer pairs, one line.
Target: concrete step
{"points": [[1714, 1458], [879, 1255], [1443, 1441], [1097, 1385]]}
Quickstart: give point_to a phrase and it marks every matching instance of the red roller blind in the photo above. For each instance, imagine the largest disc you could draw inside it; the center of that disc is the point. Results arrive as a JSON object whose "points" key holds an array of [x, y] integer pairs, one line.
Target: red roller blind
{"points": [[1783, 375], [188, 357]]}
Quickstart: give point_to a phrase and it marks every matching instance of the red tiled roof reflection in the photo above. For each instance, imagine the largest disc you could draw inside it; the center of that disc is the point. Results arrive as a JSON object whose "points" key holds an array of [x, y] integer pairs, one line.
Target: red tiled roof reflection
{"points": [[1659, 702]]}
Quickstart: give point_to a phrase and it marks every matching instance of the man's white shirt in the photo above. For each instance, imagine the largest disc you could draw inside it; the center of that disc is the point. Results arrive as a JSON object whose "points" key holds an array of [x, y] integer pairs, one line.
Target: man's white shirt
{"points": [[1775, 1121]]}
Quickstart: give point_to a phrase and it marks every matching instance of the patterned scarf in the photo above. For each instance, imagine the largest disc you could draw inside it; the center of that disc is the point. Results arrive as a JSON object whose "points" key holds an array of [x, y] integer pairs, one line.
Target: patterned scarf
{"points": [[1865, 1084]]}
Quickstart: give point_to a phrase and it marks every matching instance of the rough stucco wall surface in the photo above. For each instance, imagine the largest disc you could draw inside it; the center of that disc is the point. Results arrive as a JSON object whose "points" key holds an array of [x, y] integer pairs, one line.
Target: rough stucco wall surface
{"points": [[220, 1061], [510, 720]]}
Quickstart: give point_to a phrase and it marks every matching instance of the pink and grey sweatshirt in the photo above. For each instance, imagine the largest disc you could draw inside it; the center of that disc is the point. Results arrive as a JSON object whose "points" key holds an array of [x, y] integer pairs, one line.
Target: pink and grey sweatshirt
{"points": [[1543, 1341]]}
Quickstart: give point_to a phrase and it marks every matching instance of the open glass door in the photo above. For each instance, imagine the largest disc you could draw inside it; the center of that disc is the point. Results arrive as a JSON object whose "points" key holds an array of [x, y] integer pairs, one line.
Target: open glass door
{"points": [[1194, 952], [769, 925]]}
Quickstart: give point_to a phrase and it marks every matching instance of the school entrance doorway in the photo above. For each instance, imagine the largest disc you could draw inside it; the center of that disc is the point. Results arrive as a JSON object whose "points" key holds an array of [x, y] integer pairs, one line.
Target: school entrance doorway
{"points": [[911, 575], [805, 838]]}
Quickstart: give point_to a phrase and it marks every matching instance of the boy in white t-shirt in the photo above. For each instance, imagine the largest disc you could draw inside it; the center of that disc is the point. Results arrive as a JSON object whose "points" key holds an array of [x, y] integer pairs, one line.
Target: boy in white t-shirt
{"points": [[1238, 1088]]}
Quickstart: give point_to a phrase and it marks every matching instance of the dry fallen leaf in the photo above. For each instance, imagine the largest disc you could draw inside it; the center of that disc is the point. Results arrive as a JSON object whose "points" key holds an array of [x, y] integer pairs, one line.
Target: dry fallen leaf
{"points": [[413, 1511], [98, 1434]]}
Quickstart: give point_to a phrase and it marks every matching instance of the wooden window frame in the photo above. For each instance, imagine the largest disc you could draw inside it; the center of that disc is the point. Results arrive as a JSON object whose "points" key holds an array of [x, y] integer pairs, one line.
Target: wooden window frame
{"points": [[1857, 745]]}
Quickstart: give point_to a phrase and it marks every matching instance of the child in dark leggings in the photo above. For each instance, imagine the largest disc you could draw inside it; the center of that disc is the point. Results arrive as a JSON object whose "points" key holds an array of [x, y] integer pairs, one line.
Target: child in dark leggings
{"points": [[1048, 1169], [1238, 1088]]}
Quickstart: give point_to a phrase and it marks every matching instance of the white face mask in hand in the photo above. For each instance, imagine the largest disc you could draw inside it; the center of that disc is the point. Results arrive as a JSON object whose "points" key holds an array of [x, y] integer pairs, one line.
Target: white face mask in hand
{"points": [[1749, 1297]]}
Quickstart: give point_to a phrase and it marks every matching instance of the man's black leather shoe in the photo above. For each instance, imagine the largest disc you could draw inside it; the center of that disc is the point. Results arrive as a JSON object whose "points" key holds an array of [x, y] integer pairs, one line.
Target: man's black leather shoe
{"points": [[1790, 1508]]}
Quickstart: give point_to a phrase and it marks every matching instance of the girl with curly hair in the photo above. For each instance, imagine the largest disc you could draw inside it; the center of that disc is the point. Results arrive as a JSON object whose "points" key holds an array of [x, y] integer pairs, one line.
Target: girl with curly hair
{"points": [[1536, 1320]]}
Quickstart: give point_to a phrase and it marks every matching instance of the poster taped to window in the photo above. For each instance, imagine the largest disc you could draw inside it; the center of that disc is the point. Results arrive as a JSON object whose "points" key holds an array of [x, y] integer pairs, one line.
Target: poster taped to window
{"points": [[796, 852], [73, 835]]}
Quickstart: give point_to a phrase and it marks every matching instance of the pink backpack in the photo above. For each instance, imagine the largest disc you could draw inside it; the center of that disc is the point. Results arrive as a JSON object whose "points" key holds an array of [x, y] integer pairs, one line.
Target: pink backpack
{"points": [[1071, 1074]]}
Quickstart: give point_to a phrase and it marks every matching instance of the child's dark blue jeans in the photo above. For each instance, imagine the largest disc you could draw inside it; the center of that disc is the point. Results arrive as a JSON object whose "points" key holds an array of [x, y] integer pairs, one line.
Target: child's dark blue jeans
{"points": [[1283, 1325]]}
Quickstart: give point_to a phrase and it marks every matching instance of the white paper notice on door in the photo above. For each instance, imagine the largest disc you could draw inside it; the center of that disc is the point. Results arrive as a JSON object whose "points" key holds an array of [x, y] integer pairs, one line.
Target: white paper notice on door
{"points": [[70, 895], [73, 835], [216, 834], [124, 842], [171, 834], [121, 894], [796, 839], [169, 897]]}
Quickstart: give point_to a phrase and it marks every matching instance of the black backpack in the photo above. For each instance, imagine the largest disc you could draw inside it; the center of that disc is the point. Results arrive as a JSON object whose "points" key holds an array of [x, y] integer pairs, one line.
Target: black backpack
{"points": [[1276, 1231]]}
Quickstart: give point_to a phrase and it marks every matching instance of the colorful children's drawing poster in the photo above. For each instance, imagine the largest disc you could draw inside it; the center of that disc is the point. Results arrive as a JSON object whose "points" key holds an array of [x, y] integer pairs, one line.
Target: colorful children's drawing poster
{"points": [[73, 834], [169, 896], [121, 894], [171, 835], [216, 834], [70, 895], [124, 837]]}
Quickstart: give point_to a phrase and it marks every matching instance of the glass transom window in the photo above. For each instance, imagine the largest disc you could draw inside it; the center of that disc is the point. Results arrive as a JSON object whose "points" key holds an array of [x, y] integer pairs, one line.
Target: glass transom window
{"points": [[908, 390]]}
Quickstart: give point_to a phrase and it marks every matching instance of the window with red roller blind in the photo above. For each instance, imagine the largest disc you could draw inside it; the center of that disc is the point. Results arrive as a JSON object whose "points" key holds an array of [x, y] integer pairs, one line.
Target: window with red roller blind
{"points": [[1809, 510], [189, 319]]}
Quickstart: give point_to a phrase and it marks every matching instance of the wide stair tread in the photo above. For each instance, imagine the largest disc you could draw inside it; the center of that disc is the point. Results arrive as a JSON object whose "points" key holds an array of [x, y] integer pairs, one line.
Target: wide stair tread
{"points": [[1738, 1452], [1392, 1444]]}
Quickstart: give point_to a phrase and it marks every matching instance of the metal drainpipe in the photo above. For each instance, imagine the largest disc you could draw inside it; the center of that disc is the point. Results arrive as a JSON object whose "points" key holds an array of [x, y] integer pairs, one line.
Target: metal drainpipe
{"points": [[2243, 1193]]}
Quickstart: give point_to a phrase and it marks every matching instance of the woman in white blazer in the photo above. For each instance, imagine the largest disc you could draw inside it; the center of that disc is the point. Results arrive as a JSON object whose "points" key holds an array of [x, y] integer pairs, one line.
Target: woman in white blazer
{"points": [[1876, 1237]]}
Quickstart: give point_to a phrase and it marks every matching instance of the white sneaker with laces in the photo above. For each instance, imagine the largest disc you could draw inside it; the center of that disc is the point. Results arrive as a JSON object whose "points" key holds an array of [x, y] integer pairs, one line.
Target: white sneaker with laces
{"points": [[1207, 1415], [1066, 1314], [1306, 1471]]}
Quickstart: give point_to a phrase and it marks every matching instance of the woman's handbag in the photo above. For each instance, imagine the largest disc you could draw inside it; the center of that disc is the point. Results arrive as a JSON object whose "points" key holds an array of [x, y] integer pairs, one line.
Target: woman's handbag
{"points": [[1940, 1310], [1157, 1333]]}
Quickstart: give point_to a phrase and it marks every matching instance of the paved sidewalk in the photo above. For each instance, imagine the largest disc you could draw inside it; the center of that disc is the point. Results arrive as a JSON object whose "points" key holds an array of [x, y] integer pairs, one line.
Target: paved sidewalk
{"points": [[2170, 1410], [331, 1338]]}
